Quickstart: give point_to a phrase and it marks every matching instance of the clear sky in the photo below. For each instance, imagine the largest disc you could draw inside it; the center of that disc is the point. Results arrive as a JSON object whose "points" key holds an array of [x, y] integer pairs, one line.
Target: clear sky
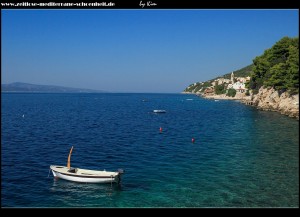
{"points": [[135, 50]]}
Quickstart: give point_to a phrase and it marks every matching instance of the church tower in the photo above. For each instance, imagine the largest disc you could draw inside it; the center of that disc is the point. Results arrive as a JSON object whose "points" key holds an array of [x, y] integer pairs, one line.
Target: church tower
{"points": [[232, 77]]}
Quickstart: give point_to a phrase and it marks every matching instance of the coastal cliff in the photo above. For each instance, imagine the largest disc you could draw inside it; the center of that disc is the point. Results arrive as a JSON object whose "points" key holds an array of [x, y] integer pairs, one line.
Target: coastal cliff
{"points": [[266, 99], [271, 100]]}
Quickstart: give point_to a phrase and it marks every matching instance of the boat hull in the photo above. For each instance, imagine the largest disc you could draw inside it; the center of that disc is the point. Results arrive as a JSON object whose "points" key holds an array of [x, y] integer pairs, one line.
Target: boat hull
{"points": [[159, 111], [110, 177]]}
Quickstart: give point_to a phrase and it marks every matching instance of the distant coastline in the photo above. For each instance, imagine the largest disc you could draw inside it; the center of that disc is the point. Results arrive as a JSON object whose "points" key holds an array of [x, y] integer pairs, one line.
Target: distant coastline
{"points": [[19, 87]]}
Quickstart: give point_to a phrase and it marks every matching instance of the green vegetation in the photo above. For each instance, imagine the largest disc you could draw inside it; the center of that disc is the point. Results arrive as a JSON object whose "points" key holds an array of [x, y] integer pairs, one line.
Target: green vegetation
{"points": [[195, 88], [278, 67], [190, 88], [220, 89], [231, 92], [205, 85], [243, 72]]}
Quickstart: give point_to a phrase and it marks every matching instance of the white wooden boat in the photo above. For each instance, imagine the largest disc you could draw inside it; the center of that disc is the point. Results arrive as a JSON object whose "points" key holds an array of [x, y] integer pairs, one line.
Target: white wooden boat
{"points": [[84, 175], [159, 111]]}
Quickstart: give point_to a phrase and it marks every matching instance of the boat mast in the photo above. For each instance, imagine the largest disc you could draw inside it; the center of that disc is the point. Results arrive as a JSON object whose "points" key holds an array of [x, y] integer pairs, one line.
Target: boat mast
{"points": [[69, 158]]}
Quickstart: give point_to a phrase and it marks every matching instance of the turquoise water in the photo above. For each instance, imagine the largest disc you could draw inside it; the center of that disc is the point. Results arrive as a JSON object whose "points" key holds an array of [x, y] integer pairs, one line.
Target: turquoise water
{"points": [[241, 157]]}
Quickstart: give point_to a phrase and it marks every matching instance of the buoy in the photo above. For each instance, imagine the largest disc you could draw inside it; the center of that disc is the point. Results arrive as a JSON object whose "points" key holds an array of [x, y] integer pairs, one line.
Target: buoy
{"points": [[193, 140], [160, 129]]}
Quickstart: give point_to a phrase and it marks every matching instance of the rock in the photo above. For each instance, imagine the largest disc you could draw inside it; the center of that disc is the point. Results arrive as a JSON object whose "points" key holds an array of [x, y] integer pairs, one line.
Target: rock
{"points": [[269, 99], [266, 99]]}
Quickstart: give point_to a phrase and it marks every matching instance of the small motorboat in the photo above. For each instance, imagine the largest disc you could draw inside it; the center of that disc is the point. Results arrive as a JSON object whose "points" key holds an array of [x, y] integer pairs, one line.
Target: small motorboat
{"points": [[159, 111], [84, 175]]}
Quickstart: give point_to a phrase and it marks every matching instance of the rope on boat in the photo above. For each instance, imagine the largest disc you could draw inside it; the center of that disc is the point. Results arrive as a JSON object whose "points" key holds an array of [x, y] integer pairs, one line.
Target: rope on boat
{"points": [[49, 173]]}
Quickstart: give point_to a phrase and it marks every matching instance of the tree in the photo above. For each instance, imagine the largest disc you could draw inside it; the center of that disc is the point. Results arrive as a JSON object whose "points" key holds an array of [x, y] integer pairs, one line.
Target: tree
{"points": [[220, 89], [231, 92], [277, 67], [278, 77], [293, 70]]}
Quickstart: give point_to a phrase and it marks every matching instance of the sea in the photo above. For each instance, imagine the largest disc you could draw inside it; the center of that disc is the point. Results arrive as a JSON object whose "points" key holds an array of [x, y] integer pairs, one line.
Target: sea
{"points": [[200, 153]]}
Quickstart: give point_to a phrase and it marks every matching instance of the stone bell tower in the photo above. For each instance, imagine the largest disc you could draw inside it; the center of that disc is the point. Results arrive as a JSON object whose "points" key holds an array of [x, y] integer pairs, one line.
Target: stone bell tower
{"points": [[232, 77]]}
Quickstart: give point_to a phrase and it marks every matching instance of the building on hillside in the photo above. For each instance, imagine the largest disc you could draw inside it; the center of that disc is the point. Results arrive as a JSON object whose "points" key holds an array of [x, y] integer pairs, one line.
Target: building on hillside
{"points": [[223, 80], [243, 79], [209, 90], [220, 81], [238, 86]]}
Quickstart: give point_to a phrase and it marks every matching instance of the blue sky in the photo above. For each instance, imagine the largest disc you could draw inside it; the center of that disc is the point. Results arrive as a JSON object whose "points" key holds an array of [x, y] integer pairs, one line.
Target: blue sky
{"points": [[156, 51]]}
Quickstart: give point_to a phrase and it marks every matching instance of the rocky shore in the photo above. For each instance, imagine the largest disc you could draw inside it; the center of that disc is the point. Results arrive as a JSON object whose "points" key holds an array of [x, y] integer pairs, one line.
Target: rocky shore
{"points": [[266, 99], [270, 100]]}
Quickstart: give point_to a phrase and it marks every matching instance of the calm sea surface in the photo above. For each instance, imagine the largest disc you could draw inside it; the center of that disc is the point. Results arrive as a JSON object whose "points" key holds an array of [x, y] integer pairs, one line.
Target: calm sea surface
{"points": [[241, 157]]}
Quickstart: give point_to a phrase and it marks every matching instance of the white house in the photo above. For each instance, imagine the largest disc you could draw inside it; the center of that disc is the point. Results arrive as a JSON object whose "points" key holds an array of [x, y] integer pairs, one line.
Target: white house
{"points": [[238, 86]]}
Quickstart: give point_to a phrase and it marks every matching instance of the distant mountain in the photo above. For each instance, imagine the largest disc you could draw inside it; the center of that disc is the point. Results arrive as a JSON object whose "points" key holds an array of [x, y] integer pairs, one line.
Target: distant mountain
{"points": [[35, 88]]}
